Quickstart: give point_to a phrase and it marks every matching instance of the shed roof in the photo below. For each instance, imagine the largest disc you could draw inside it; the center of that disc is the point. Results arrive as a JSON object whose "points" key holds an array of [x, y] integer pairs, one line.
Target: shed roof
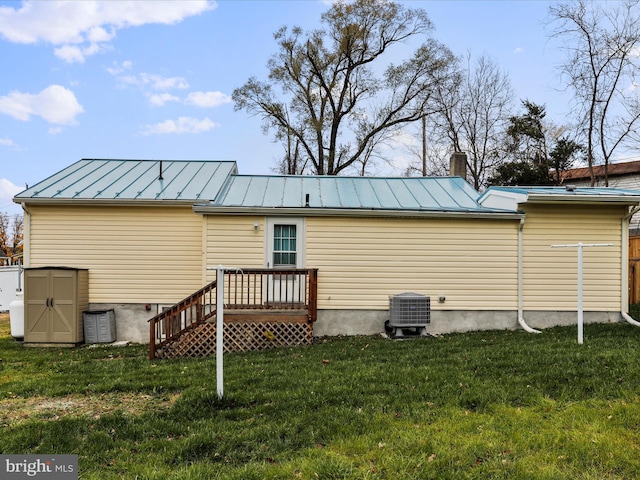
{"points": [[128, 180]]}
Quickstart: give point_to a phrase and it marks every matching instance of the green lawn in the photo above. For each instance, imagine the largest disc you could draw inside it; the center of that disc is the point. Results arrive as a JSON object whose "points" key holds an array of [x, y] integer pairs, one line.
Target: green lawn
{"points": [[492, 405]]}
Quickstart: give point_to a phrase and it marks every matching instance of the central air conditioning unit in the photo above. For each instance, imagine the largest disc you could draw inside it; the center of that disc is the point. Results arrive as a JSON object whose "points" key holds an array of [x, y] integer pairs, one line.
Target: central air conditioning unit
{"points": [[410, 314]]}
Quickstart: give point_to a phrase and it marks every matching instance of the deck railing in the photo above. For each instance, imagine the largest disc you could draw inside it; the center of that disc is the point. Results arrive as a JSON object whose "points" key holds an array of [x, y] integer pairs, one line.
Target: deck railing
{"points": [[248, 289]]}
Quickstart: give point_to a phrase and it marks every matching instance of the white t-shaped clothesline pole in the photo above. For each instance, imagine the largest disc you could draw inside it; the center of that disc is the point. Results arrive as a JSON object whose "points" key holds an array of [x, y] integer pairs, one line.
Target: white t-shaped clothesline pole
{"points": [[580, 246], [219, 330], [220, 269]]}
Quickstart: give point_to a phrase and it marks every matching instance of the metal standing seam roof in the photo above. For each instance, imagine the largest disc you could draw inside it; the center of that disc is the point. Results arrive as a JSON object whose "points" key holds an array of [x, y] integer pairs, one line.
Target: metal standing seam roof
{"points": [[438, 194], [511, 198], [128, 180], [568, 192]]}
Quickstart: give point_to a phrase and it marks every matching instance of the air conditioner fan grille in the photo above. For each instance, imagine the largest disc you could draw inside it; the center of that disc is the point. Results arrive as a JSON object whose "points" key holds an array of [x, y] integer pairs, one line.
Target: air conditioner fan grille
{"points": [[409, 310]]}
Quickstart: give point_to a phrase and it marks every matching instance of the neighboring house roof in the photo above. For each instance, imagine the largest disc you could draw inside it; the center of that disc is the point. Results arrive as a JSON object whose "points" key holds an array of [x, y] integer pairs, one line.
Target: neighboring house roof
{"points": [[321, 194], [615, 169], [510, 197], [132, 180]]}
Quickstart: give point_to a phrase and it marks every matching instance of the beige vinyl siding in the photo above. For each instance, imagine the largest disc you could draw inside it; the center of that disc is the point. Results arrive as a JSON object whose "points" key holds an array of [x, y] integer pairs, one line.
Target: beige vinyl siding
{"points": [[232, 241], [362, 261], [550, 274], [134, 254]]}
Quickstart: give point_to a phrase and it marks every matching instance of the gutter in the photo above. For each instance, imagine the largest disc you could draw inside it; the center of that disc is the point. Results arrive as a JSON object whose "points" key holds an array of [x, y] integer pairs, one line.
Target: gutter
{"points": [[131, 202], [625, 268], [26, 254], [583, 199], [521, 320], [352, 212], [275, 211]]}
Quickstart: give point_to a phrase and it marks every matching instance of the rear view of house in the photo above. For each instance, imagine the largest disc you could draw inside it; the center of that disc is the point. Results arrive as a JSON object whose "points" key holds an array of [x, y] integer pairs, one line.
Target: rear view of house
{"points": [[150, 232]]}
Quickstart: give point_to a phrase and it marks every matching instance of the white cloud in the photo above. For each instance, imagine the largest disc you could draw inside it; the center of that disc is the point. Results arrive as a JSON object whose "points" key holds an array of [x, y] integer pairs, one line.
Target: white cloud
{"points": [[7, 191], [207, 99], [90, 23], [161, 99], [404, 139], [518, 50], [154, 81], [7, 142], [70, 53], [117, 69], [100, 35], [8, 188], [182, 125], [159, 83], [55, 104], [197, 99]]}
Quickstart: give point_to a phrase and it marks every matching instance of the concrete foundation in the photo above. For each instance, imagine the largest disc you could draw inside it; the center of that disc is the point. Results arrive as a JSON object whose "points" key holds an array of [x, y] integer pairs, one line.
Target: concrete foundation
{"points": [[540, 320], [132, 320], [367, 322], [349, 322]]}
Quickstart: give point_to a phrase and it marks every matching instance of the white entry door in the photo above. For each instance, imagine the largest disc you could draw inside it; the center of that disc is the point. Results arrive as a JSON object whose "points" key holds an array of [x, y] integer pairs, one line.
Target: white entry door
{"points": [[285, 250]]}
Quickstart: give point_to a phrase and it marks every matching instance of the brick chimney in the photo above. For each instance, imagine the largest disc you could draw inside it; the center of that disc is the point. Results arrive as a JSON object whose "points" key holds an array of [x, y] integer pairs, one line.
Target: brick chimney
{"points": [[458, 165]]}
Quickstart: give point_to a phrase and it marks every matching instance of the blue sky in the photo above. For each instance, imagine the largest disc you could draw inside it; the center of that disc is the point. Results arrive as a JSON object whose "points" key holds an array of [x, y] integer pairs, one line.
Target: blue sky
{"points": [[152, 80]]}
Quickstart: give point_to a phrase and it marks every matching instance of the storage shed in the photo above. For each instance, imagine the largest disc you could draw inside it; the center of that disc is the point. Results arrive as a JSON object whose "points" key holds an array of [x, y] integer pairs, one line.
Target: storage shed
{"points": [[54, 300]]}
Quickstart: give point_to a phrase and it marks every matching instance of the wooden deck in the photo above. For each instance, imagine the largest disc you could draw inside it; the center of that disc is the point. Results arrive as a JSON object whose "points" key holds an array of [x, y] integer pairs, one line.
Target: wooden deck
{"points": [[263, 308]]}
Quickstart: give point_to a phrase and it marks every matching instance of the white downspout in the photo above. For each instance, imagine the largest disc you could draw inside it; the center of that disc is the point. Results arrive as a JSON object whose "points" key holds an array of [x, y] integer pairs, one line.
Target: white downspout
{"points": [[625, 268], [521, 320], [26, 252]]}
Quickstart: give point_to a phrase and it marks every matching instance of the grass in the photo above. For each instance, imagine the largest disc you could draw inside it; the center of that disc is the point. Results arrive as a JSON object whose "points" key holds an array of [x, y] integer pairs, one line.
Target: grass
{"points": [[634, 310], [500, 404]]}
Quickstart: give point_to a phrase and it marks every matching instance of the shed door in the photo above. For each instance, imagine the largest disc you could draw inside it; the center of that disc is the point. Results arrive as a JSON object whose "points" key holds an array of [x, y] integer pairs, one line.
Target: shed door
{"points": [[51, 310], [36, 318], [285, 242], [64, 308]]}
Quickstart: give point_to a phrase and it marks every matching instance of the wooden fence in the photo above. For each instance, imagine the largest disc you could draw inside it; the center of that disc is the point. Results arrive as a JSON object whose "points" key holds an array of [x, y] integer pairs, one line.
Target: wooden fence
{"points": [[634, 270]]}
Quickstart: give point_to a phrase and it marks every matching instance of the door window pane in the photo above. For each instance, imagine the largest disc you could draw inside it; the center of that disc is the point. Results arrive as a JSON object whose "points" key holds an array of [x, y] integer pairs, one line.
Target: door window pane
{"points": [[284, 245]]}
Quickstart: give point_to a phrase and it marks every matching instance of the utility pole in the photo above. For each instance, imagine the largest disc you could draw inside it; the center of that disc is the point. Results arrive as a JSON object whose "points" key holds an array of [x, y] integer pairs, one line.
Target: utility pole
{"points": [[424, 145]]}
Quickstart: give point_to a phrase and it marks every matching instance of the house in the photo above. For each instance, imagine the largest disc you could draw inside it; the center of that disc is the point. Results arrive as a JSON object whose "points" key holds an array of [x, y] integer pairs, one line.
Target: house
{"points": [[625, 175], [620, 175], [148, 233]]}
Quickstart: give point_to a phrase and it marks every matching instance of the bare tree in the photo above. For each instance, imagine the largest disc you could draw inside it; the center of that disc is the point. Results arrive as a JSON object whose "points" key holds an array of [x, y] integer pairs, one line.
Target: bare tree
{"points": [[332, 102], [17, 236], [474, 116], [11, 235], [292, 162], [429, 157], [601, 42]]}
